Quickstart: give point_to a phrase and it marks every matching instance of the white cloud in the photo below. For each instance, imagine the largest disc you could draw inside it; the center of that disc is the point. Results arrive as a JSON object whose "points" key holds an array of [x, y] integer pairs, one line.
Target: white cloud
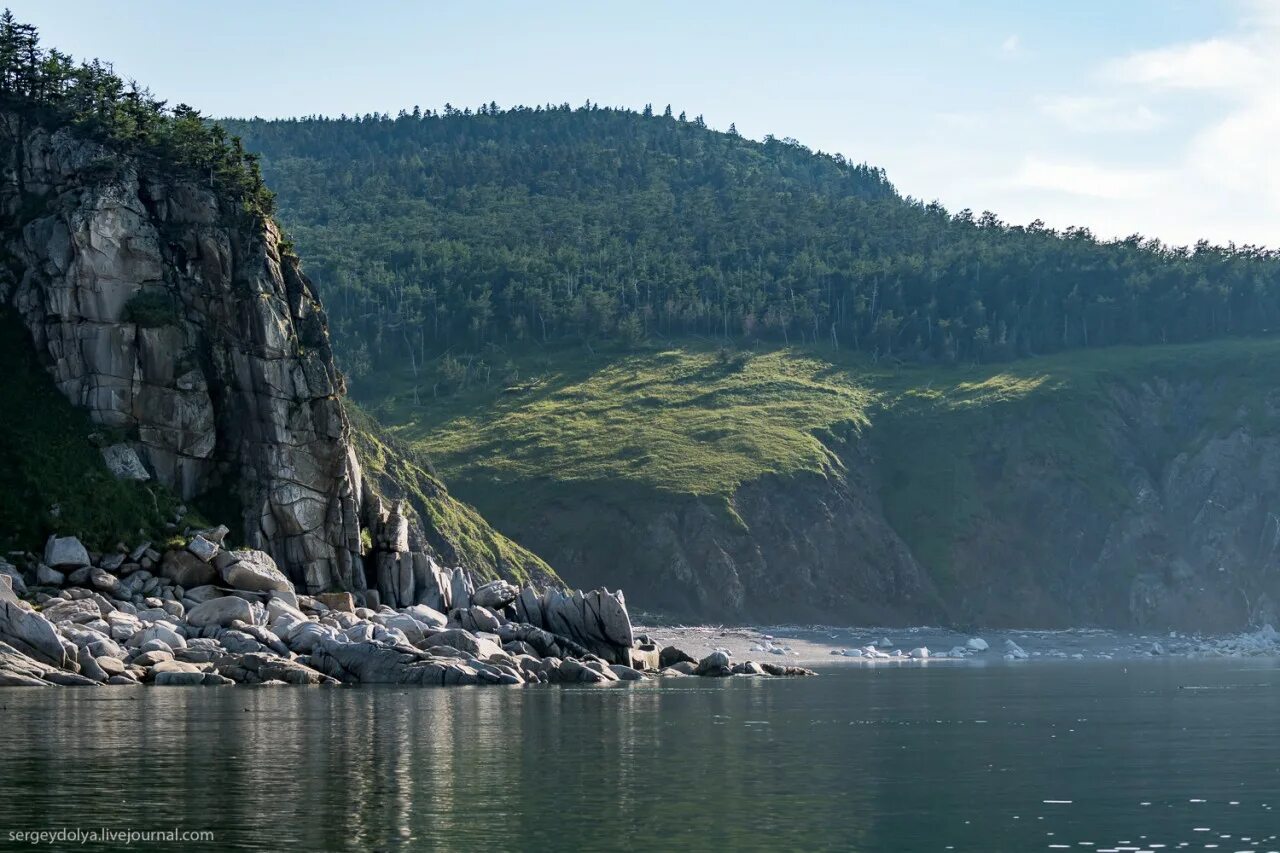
{"points": [[1012, 44], [1215, 64], [1082, 178], [1215, 172], [1100, 114]]}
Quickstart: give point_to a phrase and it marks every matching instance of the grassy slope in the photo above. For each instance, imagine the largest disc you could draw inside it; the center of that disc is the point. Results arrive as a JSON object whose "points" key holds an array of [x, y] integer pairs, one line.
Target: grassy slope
{"points": [[454, 530], [685, 421], [47, 459]]}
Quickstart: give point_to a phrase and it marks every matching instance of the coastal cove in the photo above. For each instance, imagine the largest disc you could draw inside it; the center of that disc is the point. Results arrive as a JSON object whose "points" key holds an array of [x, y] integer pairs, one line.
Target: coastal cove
{"points": [[918, 757]]}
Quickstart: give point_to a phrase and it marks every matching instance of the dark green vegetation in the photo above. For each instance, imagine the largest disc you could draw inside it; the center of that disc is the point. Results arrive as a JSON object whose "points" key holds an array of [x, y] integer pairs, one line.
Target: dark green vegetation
{"points": [[475, 232], [47, 87], [455, 532], [52, 477]]}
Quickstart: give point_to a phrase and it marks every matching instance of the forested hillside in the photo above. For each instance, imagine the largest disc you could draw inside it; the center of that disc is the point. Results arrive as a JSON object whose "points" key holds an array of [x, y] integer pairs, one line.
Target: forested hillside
{"points": [[463, 231]]}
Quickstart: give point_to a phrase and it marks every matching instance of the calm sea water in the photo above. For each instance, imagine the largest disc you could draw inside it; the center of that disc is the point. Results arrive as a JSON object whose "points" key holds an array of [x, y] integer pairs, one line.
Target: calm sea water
{"points": [[1153, 755]]}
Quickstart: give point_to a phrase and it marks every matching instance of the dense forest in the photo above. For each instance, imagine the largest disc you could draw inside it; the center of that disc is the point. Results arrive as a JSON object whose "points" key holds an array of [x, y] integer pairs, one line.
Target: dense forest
{"points": [[459, 231], [46, 86]]}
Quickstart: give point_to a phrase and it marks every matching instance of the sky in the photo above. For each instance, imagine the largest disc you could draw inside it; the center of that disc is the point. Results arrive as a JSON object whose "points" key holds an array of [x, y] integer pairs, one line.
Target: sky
{"points": [[1159, 117]]}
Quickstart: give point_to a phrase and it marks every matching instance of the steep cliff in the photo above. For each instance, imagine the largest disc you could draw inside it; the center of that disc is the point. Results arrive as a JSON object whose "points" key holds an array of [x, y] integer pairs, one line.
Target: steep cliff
{"points": [[182, 322], [1124, 488]]}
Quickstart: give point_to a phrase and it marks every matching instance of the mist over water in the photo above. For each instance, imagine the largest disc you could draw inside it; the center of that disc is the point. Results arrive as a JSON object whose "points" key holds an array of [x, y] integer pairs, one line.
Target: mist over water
{"points": [[1038, 756]]}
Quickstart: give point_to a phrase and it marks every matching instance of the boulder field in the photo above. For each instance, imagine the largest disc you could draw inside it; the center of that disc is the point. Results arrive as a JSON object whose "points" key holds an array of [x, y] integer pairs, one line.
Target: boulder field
{"points": [[205, 615]]}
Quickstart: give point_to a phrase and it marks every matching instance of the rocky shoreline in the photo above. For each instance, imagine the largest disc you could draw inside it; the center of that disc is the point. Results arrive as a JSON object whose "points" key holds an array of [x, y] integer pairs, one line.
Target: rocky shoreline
{"points": [[201, 614]]}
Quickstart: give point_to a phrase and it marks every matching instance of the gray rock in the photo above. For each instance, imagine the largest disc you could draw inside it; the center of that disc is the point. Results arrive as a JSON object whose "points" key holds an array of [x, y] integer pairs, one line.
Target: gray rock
{"points": [[122, 680], [202, 548], [68, 679], [406, 624], [90, 669], [427, 616], [220, 612], [20, 670], [186, 569], [201, 594], [373, 663], [151, 658], [123, 463], [715, 664], [529, 606], [111, 562], [271, 668], [62, 610], [216, 535], [626, 673], [179, 679], [238, 642], [255, 571], [495, 595], [572, 671], [672, 655], [63, 552], [338, 601], [79, 577], [476, 618], [463, 641], [460, 589], [110, 665], [18, 585], [46, 576], [104, 581], [683, 667]]}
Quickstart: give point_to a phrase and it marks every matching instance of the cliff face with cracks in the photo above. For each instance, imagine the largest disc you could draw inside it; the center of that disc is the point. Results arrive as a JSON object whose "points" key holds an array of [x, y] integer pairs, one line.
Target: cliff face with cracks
{"points": [[1147, 502], [181, 323]]}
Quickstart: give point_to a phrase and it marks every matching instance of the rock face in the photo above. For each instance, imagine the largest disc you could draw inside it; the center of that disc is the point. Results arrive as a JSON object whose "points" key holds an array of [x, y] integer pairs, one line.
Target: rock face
{"points": [[182, 322], [807, 546], [1157, 512], [178, 319]]}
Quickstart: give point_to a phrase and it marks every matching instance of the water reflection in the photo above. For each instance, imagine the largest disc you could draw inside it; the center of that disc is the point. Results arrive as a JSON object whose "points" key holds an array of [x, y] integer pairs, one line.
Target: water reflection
{"points": [[1000, 758]]}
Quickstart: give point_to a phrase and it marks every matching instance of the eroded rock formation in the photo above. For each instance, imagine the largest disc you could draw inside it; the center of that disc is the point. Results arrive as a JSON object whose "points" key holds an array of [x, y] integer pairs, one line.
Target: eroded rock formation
{"points": [[185, 326]]}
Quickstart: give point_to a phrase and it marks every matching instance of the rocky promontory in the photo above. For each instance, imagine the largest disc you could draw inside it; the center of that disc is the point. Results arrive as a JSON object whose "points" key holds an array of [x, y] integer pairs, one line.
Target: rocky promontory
{"points": [[202, 614]]}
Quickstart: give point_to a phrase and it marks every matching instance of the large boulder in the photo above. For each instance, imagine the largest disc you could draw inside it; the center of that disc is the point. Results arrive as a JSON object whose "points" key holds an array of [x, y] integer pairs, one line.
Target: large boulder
{"points": [[15, 577], [255, 571], [476, 618], [104, 581], [180, 679], [123, 463], [715, 664], [495, 595], [464, 641], [202, 548], [374, 663], [46, 576], [64, 610], [30, 633], [220, 612], [671, 655], [428, 616], [255, 668], [65, 552], [19, 670], [343, 601], [186, 569]]}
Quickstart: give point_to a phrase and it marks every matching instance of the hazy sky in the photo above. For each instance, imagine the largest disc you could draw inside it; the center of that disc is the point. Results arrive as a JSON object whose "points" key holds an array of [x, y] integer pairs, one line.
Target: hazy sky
{"points": [[1158, 116]]}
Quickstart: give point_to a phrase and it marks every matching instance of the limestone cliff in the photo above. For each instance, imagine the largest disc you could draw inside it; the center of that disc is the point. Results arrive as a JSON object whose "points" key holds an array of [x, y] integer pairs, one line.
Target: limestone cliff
{"points": [[183, 322]]}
